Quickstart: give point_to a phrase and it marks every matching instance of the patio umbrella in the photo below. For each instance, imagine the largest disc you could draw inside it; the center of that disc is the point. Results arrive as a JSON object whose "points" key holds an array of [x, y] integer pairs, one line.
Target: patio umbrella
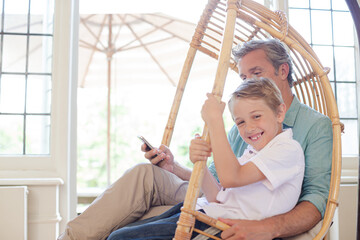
{"points": [[130, 48]]}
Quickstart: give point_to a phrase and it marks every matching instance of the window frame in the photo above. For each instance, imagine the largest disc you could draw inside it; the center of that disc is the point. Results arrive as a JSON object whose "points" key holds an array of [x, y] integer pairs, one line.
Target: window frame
{"points": [[63, 103], [30, 36]]}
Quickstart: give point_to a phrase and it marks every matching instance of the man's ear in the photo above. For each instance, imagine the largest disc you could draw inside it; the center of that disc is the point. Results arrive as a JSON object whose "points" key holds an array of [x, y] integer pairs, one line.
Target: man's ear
{"points": [[281, 111], [284, 71]]}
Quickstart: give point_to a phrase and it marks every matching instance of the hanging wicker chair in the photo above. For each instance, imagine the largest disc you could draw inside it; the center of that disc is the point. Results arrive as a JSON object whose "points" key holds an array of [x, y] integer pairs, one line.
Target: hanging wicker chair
{"points": [[223, 25]]}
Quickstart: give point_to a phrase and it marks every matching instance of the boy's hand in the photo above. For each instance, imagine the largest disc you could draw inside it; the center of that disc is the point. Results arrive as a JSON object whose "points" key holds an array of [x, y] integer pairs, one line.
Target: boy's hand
{"points": [[212, 109], [199, 149]]}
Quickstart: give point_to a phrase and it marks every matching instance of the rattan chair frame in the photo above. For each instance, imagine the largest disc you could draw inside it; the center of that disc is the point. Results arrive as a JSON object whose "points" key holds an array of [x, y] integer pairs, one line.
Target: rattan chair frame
{"points": [[223, 25]]}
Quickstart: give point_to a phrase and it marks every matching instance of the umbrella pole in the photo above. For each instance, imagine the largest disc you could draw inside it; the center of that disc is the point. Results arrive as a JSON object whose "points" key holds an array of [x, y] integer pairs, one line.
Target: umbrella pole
{"points": [[109, 58], [108, 165]]}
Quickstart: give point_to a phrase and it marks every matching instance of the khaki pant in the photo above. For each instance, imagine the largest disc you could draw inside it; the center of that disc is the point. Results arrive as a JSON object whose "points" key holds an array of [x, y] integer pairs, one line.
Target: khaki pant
{"points": [[142, 188], [125, 201]]}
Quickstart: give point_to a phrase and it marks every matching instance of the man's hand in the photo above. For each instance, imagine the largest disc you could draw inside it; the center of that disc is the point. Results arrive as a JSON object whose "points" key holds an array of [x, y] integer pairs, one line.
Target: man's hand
{"points": [[164, 158], [245, 230], [300, 219]]}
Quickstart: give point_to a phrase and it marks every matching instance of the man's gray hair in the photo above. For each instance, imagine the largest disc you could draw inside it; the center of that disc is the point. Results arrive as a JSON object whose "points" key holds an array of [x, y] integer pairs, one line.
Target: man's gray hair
{"points": [[274, 50]]}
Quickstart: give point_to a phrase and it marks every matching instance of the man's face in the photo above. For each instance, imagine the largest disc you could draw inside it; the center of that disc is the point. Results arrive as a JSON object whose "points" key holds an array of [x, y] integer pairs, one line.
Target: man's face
{"points": [[255, 64]]}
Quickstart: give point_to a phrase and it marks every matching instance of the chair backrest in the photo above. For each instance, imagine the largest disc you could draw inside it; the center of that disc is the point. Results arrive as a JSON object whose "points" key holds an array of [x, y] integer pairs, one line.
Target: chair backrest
{"points": [[251, 20]]}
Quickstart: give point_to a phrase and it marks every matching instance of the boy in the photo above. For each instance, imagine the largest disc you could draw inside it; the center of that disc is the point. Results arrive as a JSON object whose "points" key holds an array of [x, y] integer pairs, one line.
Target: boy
{"points": [[268, 179], [266, 182]]}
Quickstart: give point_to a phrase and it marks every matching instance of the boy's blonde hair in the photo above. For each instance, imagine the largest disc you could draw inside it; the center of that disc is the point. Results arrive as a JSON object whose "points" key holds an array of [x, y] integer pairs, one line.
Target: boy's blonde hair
{"points": [[258, 88]]}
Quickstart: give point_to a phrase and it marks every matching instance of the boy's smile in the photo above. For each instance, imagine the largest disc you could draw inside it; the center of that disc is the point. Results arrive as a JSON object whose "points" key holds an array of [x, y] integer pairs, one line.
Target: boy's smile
{"points": [[256, 136]]}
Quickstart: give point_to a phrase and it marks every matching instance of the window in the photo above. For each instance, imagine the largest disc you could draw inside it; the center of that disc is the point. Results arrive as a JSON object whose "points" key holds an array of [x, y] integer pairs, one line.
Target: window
{"points": [[38, 95], [328, 26], [25, 76]]}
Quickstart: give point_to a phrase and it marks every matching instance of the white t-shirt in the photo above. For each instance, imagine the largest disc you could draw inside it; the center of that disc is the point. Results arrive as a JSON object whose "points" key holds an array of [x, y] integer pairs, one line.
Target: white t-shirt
{"points": [[282, 163]]}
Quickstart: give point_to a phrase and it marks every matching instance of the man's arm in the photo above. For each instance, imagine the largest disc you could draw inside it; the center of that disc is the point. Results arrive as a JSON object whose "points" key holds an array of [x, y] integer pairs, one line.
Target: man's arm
{"points": [[182, 172], [300, 219]]}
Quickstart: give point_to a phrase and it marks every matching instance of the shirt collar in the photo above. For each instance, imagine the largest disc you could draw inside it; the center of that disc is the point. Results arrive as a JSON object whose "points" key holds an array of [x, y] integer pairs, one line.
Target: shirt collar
{"points": [[291, 113], [250, 150]]}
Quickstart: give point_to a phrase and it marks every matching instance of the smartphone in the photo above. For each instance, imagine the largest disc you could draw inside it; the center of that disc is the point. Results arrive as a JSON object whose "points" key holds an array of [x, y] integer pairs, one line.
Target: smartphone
{"points": [[148, 145]]}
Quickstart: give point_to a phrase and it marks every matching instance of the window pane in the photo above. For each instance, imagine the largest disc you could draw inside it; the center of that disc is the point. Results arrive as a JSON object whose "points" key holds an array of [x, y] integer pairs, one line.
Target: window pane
{"points": [[321, 27], [323, 4], [343, 29], [11, 134], [15, 19], [339, 5], [37, 134], [42, 14], [300, 20], [1, 11], [325, 54], [12, 94], [38, 94], [14, 53], [40, 51], [26, 67], [299, 3], [345, 64], [349, 139], [346, 100]]}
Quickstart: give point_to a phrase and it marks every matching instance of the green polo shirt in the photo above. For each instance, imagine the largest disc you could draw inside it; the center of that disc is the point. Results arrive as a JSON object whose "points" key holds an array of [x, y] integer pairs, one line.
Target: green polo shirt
{"points": [[314, 133]]}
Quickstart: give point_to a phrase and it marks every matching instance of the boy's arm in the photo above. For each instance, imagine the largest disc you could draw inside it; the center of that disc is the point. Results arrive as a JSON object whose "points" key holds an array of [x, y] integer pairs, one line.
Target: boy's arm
{"points": [[210, 186], [200, 150], [230, 172]]}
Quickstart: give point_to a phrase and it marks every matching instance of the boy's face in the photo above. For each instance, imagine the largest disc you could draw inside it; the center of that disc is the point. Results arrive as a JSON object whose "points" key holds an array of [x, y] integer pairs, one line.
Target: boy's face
{"points": [[256, 121]]}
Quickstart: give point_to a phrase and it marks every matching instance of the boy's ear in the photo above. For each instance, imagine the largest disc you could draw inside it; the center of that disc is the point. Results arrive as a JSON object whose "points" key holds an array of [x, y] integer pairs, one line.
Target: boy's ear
{"points": [[281, 111]]}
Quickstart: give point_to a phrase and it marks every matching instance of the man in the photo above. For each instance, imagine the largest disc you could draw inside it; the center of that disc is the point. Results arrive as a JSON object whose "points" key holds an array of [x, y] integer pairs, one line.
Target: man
{"points": [[147, 185], [310, 128]]}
